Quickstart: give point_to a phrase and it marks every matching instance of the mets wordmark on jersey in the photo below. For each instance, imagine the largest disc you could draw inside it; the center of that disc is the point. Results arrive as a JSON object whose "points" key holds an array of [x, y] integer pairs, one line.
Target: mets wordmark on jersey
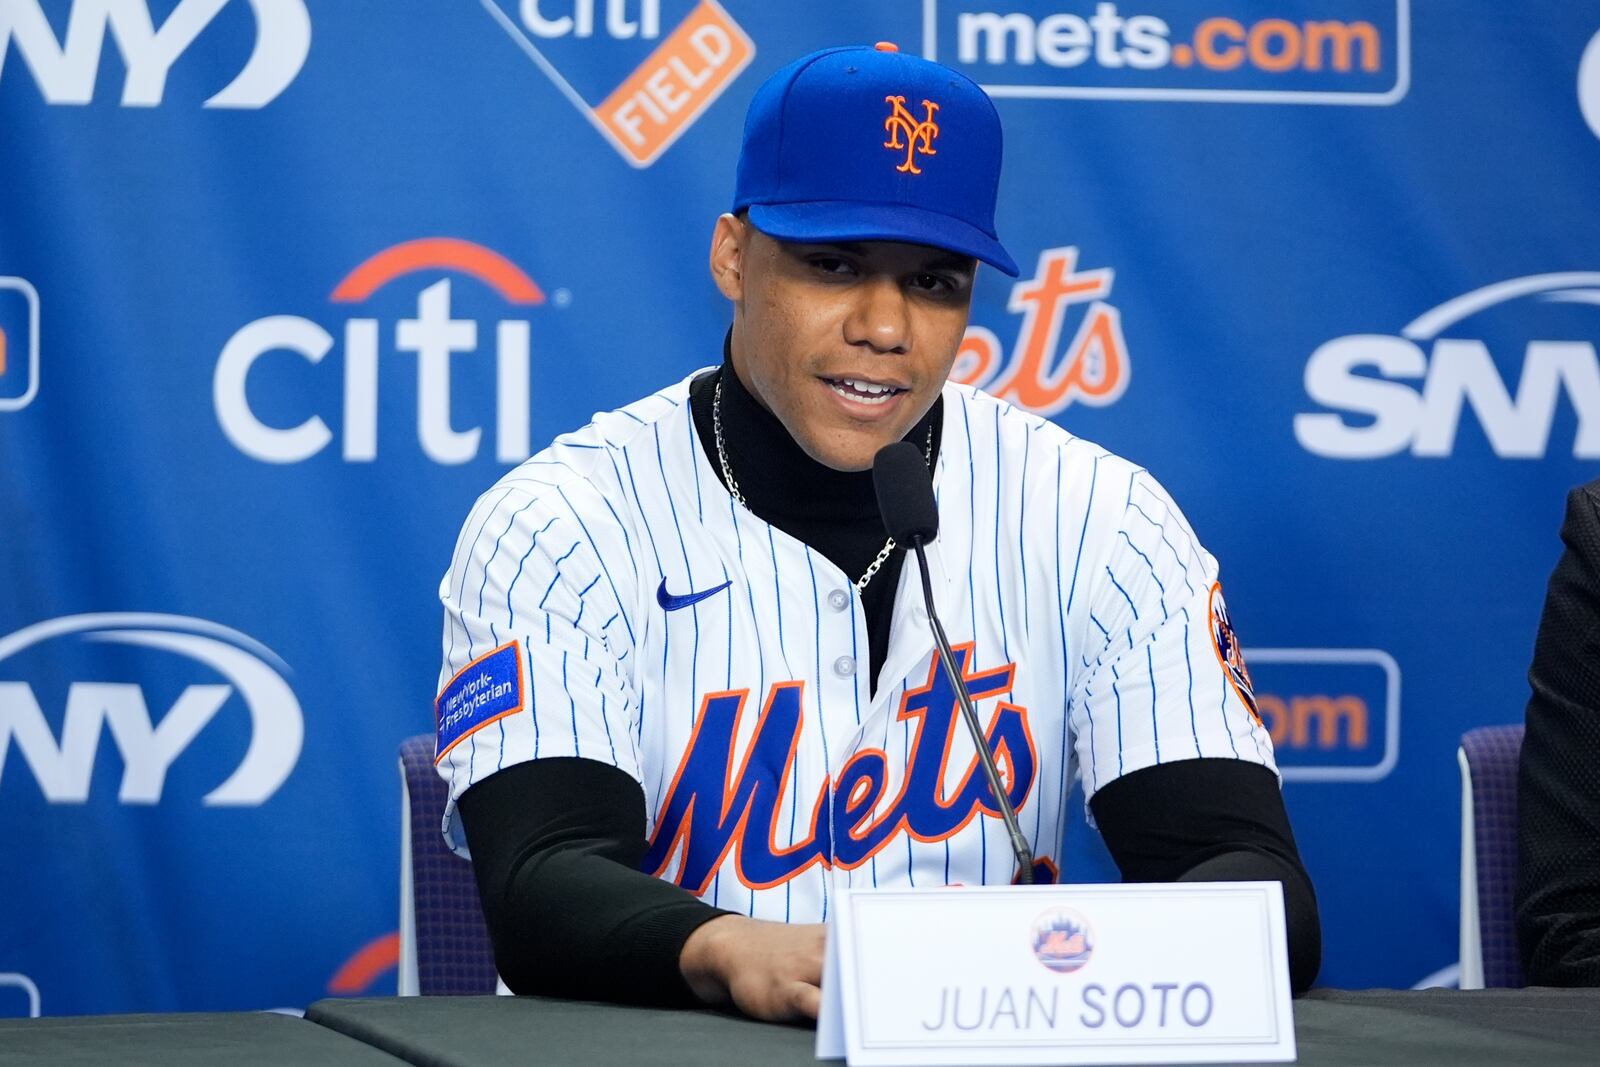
{"points": [[608, 600]]}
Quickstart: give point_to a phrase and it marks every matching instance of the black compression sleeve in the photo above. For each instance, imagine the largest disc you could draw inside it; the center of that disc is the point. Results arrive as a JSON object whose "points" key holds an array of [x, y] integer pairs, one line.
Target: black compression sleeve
{"points": [[556, 846], [1213, 820]]}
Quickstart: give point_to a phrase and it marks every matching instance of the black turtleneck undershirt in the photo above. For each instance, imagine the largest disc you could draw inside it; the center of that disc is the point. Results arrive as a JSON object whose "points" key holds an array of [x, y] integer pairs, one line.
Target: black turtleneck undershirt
{"points": [[557, 843], [835, 512]]}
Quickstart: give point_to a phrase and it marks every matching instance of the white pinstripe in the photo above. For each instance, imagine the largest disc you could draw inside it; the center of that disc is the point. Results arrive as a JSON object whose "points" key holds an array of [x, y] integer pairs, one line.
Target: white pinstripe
{"points": [[580, 537]]}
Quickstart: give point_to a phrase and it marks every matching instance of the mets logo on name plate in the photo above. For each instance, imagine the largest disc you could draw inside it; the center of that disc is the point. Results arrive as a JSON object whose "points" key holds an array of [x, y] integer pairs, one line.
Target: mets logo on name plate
{"points": [[1062, 940]]}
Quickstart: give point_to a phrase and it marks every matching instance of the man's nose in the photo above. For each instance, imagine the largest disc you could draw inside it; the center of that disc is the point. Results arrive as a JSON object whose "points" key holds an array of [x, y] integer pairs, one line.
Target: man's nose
{"points": [[880, 318]]}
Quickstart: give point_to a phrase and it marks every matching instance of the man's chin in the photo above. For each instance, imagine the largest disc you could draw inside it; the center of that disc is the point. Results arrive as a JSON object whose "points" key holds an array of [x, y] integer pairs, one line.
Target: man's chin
{"points": [[851, 456]]}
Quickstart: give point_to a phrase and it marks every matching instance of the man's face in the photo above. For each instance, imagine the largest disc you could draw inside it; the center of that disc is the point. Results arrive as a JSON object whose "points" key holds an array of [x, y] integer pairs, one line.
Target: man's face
{"points": [[847, 344]]}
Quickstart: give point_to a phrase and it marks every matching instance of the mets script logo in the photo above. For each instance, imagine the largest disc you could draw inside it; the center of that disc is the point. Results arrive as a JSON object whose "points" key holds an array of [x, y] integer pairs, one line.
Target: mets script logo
{"points": [[712, 810], [1226, 642], [1040, 373], [1062, 940], [919, 135]]}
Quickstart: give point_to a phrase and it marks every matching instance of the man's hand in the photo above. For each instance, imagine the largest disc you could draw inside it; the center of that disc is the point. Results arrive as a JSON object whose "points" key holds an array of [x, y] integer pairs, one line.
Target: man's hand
{"points": [[768, 970]]}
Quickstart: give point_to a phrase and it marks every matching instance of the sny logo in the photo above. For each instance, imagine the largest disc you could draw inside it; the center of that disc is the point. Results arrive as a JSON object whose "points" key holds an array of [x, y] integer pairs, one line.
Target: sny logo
{"points": [[1038, 376], [919, 135], [149, 748], [434, 335], [66, 70], [19, 343], [1364, 375], [706, 814], [639, 94]]}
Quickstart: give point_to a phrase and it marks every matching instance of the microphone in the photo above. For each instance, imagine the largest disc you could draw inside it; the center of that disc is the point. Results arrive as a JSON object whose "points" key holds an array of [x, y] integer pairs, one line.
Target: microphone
{"points": [[911, 516]]}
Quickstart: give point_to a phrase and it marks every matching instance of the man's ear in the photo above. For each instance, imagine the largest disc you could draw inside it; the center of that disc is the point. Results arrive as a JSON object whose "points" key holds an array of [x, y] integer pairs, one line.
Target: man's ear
{"points": [[728, 246]]}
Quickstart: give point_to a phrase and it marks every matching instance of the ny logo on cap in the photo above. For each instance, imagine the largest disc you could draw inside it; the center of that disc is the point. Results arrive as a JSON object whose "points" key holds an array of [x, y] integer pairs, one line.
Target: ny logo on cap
{"points": [[919, 135]]}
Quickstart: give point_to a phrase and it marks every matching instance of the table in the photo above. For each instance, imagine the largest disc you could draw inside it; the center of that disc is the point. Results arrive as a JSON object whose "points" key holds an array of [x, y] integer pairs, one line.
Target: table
{"points": [[222, 1039], [1335, 1028]]}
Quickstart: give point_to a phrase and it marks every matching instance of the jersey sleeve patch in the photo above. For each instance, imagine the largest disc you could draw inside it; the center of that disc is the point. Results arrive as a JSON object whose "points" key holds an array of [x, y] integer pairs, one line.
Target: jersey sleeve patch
{"points": [[1226, 643], [487, 689]]}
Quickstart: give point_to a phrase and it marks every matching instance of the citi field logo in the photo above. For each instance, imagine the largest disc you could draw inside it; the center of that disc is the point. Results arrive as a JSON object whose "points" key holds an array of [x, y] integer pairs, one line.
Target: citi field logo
{"points": [[19, 343], [1038, 373], [639, 89], [194, 648], [1376, 413], [67, 68], [1294, 52], [1334, 713], [434, 336]]}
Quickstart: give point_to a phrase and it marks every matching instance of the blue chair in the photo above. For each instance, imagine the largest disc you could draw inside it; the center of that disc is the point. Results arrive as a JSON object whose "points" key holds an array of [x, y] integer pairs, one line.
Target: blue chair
{"points": [[1489, 954], [444, 943]]}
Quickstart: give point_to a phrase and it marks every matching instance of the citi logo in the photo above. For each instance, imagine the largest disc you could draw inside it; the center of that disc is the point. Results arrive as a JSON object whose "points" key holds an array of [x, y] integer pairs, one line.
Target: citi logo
{"points": [[66, 69], [63, 768], [1037, 373], [435, 337], [1366, 376]]}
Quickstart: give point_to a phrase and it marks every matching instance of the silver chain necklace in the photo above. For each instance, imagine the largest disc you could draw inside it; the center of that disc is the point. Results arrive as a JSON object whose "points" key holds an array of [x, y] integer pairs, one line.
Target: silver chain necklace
{"points": [[738, 497]]}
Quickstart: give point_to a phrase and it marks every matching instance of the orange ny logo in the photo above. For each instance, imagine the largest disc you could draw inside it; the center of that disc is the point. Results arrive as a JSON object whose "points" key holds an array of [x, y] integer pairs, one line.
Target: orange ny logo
{"points": [[919, 135]]}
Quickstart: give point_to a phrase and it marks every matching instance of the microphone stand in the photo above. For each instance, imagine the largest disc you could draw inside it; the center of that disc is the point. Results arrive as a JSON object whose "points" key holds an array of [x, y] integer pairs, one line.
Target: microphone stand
{"points": [[1019, 844]]}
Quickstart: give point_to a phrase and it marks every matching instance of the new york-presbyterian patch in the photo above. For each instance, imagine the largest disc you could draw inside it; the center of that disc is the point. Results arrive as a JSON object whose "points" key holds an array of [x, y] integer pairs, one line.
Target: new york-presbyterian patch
{"points": [[487, 689]]}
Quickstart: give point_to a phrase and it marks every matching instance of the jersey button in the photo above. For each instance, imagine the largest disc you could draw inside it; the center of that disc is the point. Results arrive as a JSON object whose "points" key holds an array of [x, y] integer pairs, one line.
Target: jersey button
{"points": [[838, 600], [844, 666]]}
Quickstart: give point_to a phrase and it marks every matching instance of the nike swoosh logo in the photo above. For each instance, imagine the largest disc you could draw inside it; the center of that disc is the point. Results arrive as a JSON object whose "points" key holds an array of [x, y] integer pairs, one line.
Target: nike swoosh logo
{"points": [[673, 603]]}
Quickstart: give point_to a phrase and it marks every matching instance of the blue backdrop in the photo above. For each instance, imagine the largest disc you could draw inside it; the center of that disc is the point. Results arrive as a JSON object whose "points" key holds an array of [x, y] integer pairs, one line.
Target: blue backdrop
{"points": [[285, 283]]}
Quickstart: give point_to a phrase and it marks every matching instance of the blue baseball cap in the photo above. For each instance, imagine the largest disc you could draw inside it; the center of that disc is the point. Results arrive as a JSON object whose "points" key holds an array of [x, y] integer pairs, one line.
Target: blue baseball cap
{"points": [[870, 144]]}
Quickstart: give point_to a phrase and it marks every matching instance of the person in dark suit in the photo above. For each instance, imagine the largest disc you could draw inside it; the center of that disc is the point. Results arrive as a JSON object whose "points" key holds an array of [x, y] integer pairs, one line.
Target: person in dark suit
{"points": [[1558, 790]]}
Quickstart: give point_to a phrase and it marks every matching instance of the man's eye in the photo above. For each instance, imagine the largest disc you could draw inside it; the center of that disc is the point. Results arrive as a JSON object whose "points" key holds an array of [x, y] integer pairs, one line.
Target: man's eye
{"points": [[831, 265], [934, 283]]}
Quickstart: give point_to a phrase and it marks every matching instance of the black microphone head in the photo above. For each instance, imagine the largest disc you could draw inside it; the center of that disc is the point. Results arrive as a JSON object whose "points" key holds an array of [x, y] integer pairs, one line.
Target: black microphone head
{"points": [[905, 493]]}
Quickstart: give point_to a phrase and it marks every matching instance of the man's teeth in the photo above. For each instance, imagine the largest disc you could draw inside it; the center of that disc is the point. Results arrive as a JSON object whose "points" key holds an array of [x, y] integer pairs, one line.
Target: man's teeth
{"points": [[864, 392]]}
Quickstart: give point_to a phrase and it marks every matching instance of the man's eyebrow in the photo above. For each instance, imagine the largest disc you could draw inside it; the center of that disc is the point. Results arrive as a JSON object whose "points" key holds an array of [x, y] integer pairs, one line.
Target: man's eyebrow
{"points": [[943, 261]]}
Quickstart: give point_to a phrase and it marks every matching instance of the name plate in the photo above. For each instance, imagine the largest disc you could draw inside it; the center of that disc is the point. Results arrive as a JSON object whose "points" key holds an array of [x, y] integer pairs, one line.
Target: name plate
{"points": [[1193, 972]]}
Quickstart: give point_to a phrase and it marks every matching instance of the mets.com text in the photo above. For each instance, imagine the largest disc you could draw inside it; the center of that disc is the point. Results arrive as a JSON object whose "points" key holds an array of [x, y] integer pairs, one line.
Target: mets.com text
{"points": [[1111, 40]]}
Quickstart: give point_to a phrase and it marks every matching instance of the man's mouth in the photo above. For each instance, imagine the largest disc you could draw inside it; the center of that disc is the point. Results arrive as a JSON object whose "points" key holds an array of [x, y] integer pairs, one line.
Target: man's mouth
{"points": [[864, 392]]}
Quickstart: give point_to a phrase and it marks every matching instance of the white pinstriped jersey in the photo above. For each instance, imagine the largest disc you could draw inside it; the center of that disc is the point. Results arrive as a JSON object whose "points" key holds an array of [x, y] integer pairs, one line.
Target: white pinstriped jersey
{"points": [[609, 600]]}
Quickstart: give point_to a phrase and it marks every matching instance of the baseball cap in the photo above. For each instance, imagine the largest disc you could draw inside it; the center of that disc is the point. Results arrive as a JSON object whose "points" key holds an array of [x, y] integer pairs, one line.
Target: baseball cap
{"points": [[866, 143]]}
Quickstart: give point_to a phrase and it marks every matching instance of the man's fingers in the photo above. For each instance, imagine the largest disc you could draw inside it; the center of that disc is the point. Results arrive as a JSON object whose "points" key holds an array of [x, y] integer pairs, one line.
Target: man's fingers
{"points": [[807, 1000]]}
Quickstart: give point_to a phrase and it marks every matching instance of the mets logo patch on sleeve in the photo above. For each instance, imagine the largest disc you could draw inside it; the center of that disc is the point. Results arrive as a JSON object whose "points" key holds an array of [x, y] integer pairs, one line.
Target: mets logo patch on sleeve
{"points": [[1229, 654], [488, 688]]}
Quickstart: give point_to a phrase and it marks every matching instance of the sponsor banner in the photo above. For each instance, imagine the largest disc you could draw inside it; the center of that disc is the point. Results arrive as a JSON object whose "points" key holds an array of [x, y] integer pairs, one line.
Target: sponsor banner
{"points": [[1287, 52], [284, 287]]}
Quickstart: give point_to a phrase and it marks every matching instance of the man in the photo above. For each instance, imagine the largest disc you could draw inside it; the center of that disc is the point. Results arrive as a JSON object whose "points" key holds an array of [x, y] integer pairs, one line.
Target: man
{"points": [[1558, 787], [688, 687]]}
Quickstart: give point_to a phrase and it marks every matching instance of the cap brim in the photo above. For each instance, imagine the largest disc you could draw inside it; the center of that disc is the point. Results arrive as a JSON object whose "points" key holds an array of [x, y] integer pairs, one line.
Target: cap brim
{"points": [[831, 221]]}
